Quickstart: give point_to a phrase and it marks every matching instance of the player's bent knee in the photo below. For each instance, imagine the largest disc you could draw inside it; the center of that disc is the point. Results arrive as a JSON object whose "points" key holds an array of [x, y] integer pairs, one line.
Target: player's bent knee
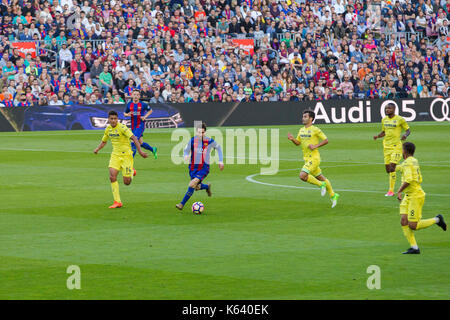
{"points": [[413, 225], [127, 181], [304, 176], [112, 178], [193, 184]]}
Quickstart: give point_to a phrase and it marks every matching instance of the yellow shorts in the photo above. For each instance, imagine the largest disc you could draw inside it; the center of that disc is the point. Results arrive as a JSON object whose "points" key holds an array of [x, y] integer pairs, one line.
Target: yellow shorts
{"points": [[392, 155], [412, 206], [122, 163], [311, 166]]}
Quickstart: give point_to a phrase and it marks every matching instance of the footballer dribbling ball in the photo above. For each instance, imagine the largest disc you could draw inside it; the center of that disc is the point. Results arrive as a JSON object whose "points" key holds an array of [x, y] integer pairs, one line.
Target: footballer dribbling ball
{"points": [[198, 207]]}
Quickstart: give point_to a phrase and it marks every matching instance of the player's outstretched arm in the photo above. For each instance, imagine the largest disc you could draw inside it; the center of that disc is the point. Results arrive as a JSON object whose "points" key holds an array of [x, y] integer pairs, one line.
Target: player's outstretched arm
{"points": [[100, 146], [295, 141], [407, 133], [380, 135], [138, 146], [147, 115]]}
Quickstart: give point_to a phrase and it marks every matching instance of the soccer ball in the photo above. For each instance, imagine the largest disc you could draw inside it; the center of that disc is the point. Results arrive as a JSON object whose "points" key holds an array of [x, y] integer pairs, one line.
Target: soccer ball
{"points": [[198, 207]]}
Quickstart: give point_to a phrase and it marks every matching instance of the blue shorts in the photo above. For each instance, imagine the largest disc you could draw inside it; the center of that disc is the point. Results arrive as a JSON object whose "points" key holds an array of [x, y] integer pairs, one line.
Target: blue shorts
{"points": [[139, 132], [200, 174]]}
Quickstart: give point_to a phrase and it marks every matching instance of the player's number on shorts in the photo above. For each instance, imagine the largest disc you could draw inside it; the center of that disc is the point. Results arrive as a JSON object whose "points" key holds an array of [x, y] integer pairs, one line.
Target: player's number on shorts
{"points": [[412, 212]]}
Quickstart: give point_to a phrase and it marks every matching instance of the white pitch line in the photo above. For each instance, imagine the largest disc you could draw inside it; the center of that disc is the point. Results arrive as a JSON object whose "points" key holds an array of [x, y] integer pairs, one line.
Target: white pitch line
{"points": [[424, 163], [22, 134], [250, 179], [165, 130], [45, 150], [163, 154]]}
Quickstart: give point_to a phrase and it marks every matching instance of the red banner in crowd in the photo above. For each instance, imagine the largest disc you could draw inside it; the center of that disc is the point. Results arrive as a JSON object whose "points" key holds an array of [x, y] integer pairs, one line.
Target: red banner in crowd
{"points": [[25, 48], [248, 45]]}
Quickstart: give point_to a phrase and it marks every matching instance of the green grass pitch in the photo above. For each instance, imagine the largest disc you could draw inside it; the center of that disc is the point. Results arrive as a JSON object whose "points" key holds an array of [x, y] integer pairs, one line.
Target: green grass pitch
{"points": [[276, 240]]}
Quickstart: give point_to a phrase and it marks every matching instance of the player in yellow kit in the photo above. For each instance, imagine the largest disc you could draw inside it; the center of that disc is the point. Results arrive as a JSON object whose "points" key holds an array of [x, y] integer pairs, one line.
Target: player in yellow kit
{"points": [[121, 156], [311, 138], [412, 203], [392, 126]]}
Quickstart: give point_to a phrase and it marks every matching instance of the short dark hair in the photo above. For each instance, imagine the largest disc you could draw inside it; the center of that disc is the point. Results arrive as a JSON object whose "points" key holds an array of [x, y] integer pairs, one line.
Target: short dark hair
{"points": [[204, 125], [112, 113], [311, 113], [409, 147]]}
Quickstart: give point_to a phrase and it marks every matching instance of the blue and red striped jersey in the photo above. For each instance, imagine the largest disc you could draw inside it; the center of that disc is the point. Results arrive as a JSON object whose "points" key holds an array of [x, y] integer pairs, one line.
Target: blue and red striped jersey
{"points": [[77, 83], [8, 103], [137, 111], [200, 151]]}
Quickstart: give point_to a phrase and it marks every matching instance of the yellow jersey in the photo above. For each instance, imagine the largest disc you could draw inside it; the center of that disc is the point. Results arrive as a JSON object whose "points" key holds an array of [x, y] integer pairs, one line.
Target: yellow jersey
{"points": [[411, 174], [120, 139], [393, 127], [307, 136]]}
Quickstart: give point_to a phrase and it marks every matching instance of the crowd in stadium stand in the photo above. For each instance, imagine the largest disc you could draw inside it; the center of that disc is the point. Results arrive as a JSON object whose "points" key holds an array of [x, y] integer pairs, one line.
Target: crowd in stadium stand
{"points": [[99, 51]]}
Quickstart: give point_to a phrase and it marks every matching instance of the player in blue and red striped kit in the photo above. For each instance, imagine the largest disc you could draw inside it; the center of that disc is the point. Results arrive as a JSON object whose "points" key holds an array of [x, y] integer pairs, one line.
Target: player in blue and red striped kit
{"points": [[199, 148], [139, 112]]}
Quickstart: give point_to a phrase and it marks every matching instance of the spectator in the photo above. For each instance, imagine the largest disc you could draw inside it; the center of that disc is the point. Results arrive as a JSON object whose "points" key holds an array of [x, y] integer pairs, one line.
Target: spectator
{"points": [[67, 101], [77, 65], [65, 56], [54, 101], [95, 71], [105, 81], [183, 50], [157, 97]]}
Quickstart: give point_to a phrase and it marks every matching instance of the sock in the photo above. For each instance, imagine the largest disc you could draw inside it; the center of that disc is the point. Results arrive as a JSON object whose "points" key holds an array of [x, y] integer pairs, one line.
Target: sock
{"points": [[329, 188], [188, 195], [203, 186], [409, 234], [392, 179], [145, 145], [425, 223], [133, 147], [313, 180], [115, 191]]}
